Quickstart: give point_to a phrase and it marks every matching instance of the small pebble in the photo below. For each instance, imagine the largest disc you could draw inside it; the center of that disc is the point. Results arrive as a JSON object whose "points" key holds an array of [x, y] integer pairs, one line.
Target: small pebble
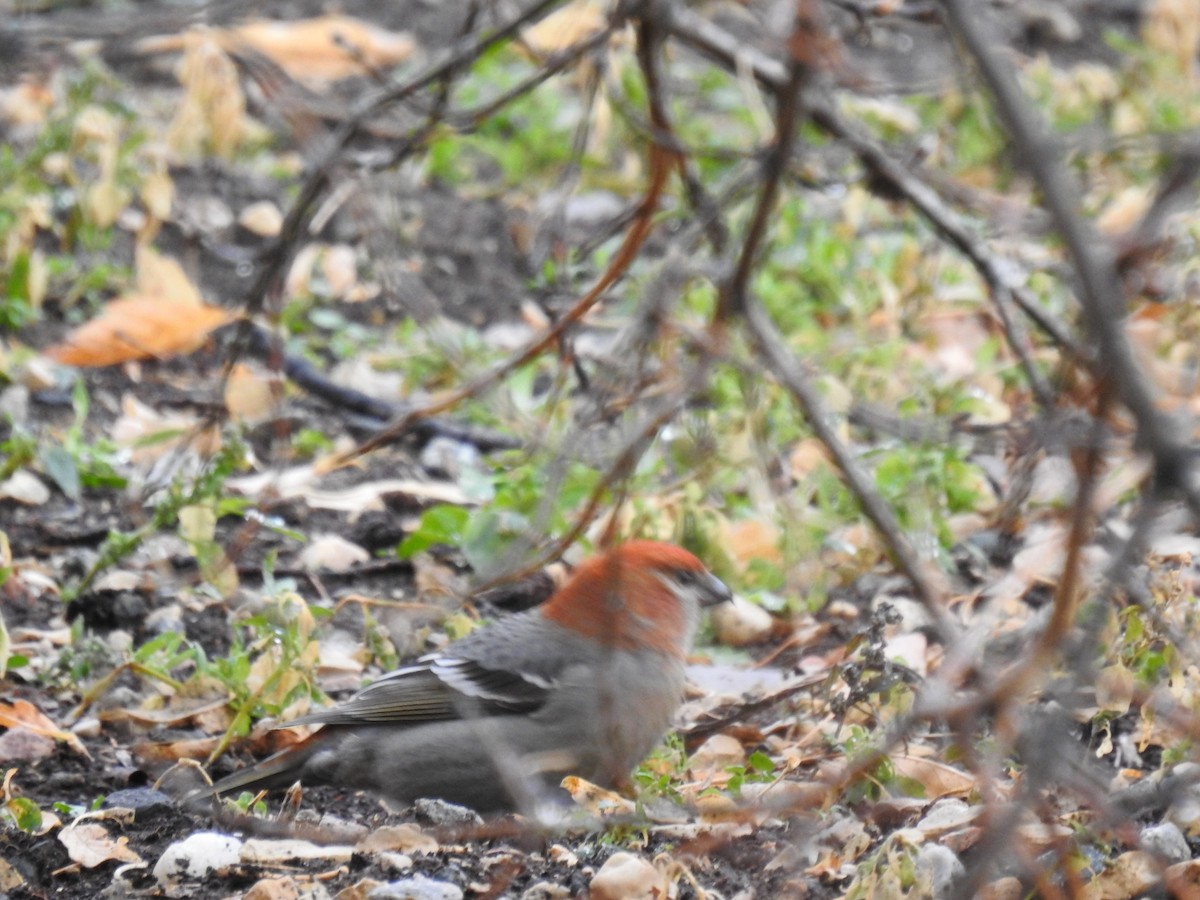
{"points": [[146, 803], [416, 888], [197, 856], [443, 814]]}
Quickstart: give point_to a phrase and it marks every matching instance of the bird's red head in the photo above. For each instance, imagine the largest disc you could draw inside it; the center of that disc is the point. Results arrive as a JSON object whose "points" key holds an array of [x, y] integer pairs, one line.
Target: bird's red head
{"points": [[639, 595]]}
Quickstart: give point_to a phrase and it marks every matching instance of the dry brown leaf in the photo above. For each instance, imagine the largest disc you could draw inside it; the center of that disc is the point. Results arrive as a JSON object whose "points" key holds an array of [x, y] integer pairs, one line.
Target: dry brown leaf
{"points": [[23, 714], [1039, 836], [301, 482], [716, 754], [10, 878], [27, 102], [1131, 874], [212, 116], [281, 888], [959, 337], [402, 838], [1008, 888], [595, 799], [339, 266], [264, 740], [1124, 211], [1173, 27], [566, 26], [149, 435], [23, 745], [938, 779], [89, 845], [806, 457], [750, 540], [163, 278], [175, 715], [332, 553], [251, 394]]}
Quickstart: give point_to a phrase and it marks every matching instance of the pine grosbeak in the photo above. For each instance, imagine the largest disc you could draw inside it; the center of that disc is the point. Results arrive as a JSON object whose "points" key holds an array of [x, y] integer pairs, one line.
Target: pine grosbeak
{"points": [[583, 685]]}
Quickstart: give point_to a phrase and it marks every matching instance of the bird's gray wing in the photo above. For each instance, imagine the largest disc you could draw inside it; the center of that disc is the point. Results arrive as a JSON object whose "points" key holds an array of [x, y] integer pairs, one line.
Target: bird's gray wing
{"points": [[436, 687]]}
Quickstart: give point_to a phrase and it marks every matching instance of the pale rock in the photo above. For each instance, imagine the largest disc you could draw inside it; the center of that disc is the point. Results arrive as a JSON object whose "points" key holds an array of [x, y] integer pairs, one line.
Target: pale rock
{"points": [[445, 815], [14, 403], [332, 553], [564, 856], [197, 856], [544, 890], [24, 487], [283, 888], [1007, 888], [87, 728], [938, 869], [1167, 841], [416, 888], [41, 374], [740, 622], [625, 876], [1184, 811], [404, 838], [946, 815], [266, 851], [718, 752], [263, 219], [394, 862]]}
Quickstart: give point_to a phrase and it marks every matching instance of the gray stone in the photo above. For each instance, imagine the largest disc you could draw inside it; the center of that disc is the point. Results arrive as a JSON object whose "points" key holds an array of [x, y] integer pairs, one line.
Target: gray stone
{"points": [[1166, 841], [938, 868], [441, 813]]}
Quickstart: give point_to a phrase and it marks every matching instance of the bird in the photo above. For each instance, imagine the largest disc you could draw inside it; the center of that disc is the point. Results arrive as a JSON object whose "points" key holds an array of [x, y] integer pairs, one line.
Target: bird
{"points": [[585, 684]]}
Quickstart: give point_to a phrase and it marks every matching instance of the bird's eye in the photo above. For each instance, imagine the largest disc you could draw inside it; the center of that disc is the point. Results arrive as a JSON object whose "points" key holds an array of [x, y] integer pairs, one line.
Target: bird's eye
{"points": [[684, 576]]}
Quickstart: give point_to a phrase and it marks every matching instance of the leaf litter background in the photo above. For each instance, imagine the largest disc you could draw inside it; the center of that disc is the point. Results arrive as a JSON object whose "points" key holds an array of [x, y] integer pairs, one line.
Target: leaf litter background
{"points": [[984, 689]]}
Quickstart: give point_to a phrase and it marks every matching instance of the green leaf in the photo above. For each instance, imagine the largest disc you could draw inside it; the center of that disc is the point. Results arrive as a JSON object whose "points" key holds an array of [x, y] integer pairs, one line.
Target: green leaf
{"points": [[442, 524], [25, 813], [760, 762], [62, 468]]}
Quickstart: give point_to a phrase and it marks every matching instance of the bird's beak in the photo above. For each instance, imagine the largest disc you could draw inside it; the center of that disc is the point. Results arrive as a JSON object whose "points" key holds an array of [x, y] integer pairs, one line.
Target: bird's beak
{"points": [[714, 591]]}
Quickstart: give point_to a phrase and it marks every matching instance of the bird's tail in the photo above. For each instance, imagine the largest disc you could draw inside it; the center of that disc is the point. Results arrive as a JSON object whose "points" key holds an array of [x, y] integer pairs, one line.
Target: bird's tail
{"points": [[280, 770]]}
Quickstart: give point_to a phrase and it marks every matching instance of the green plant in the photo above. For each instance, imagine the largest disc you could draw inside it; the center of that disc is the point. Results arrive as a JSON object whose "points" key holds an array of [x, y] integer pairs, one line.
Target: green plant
{"points": [[758, 769], [659, 774], [193, 506], [276, 666]]}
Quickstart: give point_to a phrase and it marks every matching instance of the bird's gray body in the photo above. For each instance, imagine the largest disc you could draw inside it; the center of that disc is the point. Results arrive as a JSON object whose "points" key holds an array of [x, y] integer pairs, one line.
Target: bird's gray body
{"points": [[497, 719]]}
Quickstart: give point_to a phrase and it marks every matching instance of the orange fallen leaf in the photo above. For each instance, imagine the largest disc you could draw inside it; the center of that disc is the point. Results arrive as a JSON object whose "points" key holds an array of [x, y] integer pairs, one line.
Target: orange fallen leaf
{"points": [[138, 328], [164, 317], [23, 714], [595, 799], [325, 47]]}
